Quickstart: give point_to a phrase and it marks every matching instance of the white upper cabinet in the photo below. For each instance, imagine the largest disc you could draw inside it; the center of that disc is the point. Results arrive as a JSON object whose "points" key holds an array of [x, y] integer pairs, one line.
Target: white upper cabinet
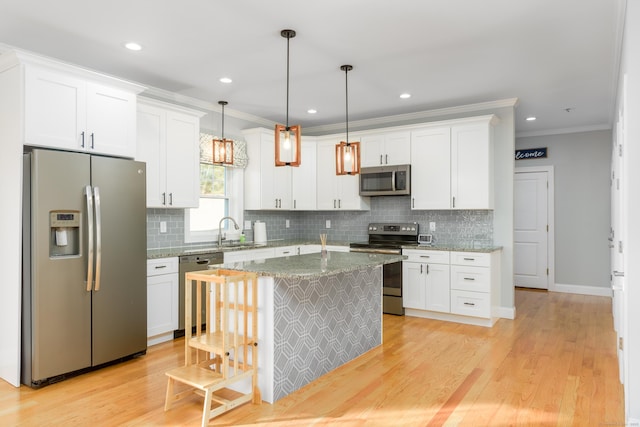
{"points": [[265, 185], [336, 192], [70, 112], [268, 187], [303, 178], [393, 148], [452, 165], [169, 142], [431, 168], [472, 166]]}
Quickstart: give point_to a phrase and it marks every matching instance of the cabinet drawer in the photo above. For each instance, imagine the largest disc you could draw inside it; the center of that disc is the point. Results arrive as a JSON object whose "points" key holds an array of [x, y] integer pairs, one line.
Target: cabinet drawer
{"points": [[159, 266], [470, 303], [469, 278], [471, 258], [432, 257]]}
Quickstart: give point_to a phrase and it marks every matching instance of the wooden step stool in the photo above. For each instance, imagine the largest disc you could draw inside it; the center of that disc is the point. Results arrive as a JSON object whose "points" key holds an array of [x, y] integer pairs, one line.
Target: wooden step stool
{"points": [[219, 356]]}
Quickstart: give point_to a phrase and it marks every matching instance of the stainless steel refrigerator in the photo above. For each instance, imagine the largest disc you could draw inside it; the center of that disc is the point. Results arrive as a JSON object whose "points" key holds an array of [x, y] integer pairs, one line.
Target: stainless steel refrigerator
{"points": [[84, 263]]}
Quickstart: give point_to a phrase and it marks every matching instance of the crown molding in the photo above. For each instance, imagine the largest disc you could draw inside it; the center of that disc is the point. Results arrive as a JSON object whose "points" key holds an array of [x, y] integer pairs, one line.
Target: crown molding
{"points": [[418, 115], [563, 131], [207, 106]]}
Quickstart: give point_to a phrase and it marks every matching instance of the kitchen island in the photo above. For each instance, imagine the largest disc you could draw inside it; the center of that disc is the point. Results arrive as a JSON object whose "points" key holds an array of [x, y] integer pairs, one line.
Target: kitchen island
{"points": [[316, 313]]}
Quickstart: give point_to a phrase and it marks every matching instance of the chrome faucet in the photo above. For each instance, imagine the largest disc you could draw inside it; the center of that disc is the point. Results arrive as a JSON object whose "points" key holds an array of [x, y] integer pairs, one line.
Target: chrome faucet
{"points": [[235, 224]]}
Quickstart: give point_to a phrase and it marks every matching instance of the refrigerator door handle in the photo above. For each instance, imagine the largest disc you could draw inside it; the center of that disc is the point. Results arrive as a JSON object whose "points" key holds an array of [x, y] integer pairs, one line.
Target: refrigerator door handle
{"points": [[89, 196], [96, 197]]}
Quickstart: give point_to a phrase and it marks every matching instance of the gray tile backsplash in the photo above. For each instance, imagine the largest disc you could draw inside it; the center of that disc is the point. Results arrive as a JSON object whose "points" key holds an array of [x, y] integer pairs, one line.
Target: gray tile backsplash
{"points": [[459, 227]]}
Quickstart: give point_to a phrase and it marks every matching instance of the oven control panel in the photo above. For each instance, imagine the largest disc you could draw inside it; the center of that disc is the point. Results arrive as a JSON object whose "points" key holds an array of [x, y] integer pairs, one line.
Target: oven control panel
{"points": [[410, 228]]}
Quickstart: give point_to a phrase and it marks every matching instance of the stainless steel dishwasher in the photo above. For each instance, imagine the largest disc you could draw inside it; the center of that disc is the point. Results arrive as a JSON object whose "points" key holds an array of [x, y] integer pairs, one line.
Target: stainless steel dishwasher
{"points": [[195, 262]]}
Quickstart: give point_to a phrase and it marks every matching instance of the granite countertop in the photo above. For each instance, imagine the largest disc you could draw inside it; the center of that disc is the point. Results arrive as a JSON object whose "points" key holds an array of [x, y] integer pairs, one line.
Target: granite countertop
{"points": [[454, 248], [311, 265], [213, 247]]}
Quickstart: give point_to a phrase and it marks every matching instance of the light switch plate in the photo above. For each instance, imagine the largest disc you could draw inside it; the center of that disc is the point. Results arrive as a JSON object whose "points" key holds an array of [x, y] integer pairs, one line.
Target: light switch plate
{"points": [[432, 226], [163, 226], [286, 223], [247, 225], [328, 224]]}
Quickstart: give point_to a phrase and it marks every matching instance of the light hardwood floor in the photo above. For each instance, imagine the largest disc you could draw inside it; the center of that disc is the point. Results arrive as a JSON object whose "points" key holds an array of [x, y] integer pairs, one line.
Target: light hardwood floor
{"points": [[554, 365]]}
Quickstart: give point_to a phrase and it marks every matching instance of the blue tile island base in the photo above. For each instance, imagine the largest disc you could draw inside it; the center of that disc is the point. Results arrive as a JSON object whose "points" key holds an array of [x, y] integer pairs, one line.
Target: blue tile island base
{"points": [[310, 323]]}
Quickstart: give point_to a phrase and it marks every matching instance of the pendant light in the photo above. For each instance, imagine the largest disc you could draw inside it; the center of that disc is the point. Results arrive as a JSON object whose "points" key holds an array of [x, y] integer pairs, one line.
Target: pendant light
{"points": [[287, 138], [223, 148], [347, 153]]}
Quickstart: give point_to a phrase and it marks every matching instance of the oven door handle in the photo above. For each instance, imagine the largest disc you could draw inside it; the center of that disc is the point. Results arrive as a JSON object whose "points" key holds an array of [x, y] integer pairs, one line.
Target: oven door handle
{"points": [[377, 251]]}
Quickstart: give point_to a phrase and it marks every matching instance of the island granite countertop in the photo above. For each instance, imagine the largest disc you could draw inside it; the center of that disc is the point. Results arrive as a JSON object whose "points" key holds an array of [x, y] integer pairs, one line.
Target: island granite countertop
{"points": [[311, 265]]}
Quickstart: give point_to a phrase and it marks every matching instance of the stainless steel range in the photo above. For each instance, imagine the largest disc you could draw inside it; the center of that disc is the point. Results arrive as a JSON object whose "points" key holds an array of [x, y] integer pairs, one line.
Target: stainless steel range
{"points": [[388, 238]]}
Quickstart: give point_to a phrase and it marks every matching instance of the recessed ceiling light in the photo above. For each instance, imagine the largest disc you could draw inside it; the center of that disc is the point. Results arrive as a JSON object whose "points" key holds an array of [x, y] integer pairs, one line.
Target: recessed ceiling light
{"points": [[405, 96], [225, 80], [530, 118], [133, 46], [312, 111]]}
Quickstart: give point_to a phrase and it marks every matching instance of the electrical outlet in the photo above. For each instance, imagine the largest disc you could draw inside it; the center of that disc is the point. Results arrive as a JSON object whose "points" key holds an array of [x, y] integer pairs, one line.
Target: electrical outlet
{"points": [[163, 226], [432, 226], [247, 225], [286, 223], [328, 224]]}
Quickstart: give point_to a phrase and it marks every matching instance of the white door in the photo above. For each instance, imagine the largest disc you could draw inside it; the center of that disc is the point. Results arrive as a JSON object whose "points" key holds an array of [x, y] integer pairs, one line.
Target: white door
{"points": [[531, 230]]}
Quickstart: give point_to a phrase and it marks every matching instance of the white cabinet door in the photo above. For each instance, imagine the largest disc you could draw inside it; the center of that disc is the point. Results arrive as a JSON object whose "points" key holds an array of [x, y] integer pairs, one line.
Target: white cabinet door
{"points": [[183, 160], [267, 187], [55, 109], [414, 288], [431, 168], [111, 121], [71, 113], [392, 148], [438, 287], [303, 178], [372, 150], [471, 166], [162, 297], [168, 141], [336, 192], [162, 304], [151, 150]]}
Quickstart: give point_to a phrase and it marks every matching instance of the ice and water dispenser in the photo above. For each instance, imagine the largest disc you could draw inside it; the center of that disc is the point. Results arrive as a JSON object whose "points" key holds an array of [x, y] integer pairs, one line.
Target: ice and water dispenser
{"points": [[64, 233]]}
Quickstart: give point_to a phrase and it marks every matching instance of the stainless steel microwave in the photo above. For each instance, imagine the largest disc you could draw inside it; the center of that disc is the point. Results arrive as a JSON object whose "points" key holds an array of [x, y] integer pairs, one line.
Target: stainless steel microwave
{"points": [[385, 181]]}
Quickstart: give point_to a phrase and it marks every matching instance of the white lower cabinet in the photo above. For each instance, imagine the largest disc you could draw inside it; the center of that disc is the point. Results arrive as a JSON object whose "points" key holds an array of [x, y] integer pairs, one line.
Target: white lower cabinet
{"points": [[454, 286], [162, 299], [425, 280]]}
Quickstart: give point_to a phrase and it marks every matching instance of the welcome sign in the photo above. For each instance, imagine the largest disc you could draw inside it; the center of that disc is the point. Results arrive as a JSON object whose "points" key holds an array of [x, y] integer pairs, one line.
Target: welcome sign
{"points": [[531, 153]]}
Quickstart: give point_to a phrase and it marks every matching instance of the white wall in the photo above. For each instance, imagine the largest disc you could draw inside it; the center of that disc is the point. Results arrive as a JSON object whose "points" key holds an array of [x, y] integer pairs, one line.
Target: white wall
{"points": [[582, 164]]}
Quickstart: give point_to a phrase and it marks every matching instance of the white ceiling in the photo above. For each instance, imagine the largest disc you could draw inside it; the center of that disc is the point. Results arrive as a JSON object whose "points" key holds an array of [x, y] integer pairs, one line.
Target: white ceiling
{"points": [[550, 54]]}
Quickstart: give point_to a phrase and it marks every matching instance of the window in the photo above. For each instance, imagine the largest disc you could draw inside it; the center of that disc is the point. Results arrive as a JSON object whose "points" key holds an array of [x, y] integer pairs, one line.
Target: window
{"points": [[220, 196]]}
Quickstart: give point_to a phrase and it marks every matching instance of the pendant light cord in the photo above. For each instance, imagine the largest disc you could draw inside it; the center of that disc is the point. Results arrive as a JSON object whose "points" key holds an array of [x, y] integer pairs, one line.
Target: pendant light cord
{"points": [[287, 122], [222, 103], [346, 69]]}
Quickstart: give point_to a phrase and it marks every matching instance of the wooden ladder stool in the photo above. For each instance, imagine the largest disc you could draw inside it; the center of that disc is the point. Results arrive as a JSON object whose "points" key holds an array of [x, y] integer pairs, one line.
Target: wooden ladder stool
{"points": [[227, 350]]}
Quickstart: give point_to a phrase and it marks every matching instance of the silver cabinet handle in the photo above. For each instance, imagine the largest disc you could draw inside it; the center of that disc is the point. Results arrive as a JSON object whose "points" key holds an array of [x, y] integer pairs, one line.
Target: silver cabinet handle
{"points": [[421, 268], [425, 256], [96, 197], [164, 198], [454, 201], [89, 196], [157, 267], [469, 259], [618, 273], [339, 203], [92, 141], [380, 158], [413, 202], [470, 304], [334, 203], [386, 159], [469, 278], [427, 268], [294, 203], [82, 139], [170, 199]]}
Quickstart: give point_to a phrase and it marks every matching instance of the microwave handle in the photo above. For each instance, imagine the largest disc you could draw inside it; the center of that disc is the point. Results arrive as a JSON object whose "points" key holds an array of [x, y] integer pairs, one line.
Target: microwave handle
{"points": [[393, 180]]}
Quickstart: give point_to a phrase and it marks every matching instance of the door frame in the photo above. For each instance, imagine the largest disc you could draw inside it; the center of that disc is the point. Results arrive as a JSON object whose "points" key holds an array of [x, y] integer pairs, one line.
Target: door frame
{"points": [[550, 217]]}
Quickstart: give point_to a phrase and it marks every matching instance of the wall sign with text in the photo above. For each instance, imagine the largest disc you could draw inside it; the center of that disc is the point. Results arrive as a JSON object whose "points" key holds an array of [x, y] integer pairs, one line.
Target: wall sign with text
{"points": [[531, 153]]}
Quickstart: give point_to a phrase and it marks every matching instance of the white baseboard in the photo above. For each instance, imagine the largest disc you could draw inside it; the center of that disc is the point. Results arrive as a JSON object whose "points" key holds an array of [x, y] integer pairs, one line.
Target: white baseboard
{"points": [[505, 312], [581, 289]]}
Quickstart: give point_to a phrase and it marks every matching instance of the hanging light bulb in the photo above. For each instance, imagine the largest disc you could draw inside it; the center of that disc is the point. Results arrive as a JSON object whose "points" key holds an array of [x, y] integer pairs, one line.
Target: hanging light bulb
{"points": [[287, 138], [223, 148], [347, 153]]}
